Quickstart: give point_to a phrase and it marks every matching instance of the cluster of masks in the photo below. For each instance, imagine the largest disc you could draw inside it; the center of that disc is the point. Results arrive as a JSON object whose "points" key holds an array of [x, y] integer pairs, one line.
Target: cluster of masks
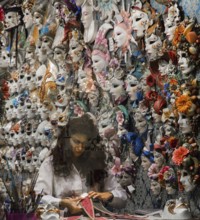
{"points": [[134, 69]]}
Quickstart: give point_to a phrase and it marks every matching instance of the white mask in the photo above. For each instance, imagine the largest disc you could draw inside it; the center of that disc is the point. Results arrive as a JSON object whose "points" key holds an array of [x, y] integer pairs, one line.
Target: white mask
{"points": [[153, 47], [59, 55], [186, 181], [132, 87], [170, 28], [184, 124], [38, 19], [120, 36], [117, 88], [99, 64], [28, 19], [87, 15], [75, 50], [176, 209], [184, 64], [140, 22], [12, 19]]}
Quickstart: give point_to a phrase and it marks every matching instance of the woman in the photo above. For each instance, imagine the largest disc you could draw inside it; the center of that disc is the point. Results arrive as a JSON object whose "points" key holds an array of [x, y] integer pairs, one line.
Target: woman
{"points": [[73, 169]]}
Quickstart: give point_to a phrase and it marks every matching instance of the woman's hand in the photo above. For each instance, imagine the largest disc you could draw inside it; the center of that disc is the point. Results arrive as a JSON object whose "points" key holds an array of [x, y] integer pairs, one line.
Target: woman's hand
{"points": [[104, 196], [72, 205]]}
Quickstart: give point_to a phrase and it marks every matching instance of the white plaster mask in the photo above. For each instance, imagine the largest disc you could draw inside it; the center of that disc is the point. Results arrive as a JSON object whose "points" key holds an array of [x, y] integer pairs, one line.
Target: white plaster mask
{"points": [[146, 163], [38, 19], [184, 124], [93, 97], [59, 55], [30, 55], [87, 15], [155, 187], [9, 109], [87, 18], [28, 18], [58, 7], [140, 22], [117, 89], [12, 19], [176, 209], [39, 74], [170, 28], [75, 50], [99, 64], [120, 36], [4, 59], [13, 87], [82, 79], [165, 67], [187, 181], [153, 47], [174, 13], [105, 125], [136, 3], [46, 44], [140, 122], [30, 81], [184, 64], [132, 87]]}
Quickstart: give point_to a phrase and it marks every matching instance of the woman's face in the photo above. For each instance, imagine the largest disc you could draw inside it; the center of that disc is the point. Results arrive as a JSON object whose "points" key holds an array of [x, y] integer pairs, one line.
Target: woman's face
{"points": [[78, 143], [159, 159], [146, 163], [155, 187], [120, 36]]}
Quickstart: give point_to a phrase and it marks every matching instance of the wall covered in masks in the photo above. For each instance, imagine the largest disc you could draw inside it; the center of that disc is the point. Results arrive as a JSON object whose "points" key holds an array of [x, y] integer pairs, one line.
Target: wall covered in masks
{"points": [[134, 65]]}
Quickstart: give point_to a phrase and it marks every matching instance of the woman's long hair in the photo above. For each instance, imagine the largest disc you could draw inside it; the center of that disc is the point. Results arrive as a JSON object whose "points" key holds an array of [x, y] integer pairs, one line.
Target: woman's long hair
{"points": [[91, 164]]}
